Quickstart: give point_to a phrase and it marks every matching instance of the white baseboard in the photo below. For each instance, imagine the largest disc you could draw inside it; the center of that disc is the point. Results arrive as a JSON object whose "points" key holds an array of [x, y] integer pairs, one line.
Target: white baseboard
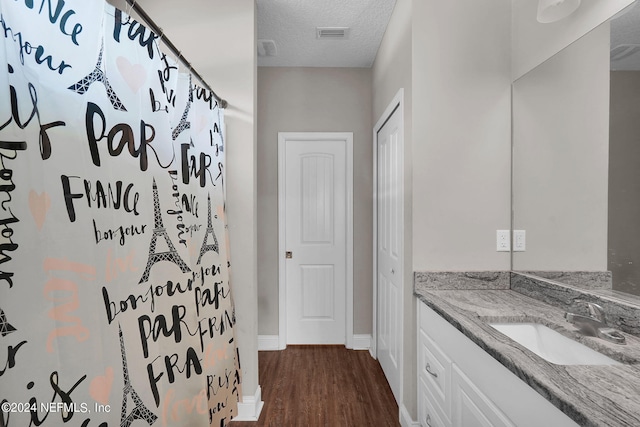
{"points": [[272, 342], [268, 343], [405, 418], [250, 407], [362, 342]]}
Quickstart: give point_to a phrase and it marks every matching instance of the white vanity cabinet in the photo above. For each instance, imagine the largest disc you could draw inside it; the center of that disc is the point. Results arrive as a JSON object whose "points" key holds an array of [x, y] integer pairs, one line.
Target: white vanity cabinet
{"points": [[460, 385]]}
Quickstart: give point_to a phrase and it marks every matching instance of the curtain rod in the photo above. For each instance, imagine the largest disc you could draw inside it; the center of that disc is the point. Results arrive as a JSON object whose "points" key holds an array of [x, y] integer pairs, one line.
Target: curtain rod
{"points": [[156, 29]]}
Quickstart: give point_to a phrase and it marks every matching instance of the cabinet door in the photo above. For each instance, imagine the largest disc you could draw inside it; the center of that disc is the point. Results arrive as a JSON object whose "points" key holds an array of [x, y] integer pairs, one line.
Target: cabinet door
{"points": [[471, 408], [434, 368], [428, 414]]}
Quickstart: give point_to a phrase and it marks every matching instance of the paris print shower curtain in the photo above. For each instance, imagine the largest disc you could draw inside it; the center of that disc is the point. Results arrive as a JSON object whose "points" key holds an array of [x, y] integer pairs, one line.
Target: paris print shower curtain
{"points": [[115, 301]]}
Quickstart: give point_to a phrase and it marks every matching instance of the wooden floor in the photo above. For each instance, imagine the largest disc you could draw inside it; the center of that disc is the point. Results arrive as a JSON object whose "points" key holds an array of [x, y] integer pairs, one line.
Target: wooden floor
{"points": [[323, 386]]}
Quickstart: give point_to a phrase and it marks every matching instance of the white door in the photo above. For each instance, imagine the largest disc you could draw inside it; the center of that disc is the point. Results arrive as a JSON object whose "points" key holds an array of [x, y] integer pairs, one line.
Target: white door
{"points": [[389, 213], [315, 242]]}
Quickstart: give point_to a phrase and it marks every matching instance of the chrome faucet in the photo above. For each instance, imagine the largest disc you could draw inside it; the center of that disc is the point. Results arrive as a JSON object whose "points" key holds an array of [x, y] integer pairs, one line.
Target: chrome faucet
{"points": [[594, 324]]}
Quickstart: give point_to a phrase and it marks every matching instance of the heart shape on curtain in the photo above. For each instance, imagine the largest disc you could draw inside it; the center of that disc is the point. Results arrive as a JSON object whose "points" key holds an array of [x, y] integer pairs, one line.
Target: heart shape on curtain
{"points": [[134, 74], [100, 387], [39, 204]]}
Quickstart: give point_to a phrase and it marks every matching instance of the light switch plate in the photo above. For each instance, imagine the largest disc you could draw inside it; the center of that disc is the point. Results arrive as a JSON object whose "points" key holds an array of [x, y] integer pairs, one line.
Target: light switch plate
{"points": [[503, 240], [519, 240]]}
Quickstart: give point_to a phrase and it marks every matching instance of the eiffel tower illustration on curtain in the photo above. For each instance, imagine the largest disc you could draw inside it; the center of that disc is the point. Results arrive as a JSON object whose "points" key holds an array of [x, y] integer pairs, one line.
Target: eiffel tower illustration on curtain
{"points": [[183, 124], [140, 412], [5, 326], [206, 247], [159, 231], [98, 75]]}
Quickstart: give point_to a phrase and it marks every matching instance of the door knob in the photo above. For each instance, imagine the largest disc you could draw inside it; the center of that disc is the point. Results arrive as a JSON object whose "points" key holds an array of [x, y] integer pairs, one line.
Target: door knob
{"points": [[288, 255]]}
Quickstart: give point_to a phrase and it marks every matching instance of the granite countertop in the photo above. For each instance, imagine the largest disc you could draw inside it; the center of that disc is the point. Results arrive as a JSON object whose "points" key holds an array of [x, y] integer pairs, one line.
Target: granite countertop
{"points": [[590, 395]]}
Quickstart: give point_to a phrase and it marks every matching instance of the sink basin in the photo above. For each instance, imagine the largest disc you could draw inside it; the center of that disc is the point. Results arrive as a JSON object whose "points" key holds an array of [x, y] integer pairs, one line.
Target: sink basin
{"points": [[551, 345]]}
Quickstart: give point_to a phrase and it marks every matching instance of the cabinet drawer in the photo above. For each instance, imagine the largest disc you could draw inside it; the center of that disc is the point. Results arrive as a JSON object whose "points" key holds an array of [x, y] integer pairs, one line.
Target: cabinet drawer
{"points": [[434, 369], [428, 414]]}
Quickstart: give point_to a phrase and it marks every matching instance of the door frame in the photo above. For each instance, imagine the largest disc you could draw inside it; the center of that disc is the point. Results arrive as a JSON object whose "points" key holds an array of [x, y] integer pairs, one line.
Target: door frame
{"points": [[347, 138], [395, 106]]}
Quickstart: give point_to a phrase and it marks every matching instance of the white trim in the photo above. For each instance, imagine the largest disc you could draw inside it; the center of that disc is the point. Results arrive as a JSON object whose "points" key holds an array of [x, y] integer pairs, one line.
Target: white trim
{"points": [[347, 137], [361, 342], [269, 343], [349, 231], [250, 407], [396, 103], [374, 291], [405, 418]]}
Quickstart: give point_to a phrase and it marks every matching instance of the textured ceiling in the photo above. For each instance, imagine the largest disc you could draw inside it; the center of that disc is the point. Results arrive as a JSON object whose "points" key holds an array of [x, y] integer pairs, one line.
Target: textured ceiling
{"points": [[292, 25], [625, 40]]}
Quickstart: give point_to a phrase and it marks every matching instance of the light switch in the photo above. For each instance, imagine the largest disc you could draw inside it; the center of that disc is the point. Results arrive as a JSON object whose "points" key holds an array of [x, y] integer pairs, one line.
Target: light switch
{"points": [[503, 240]]}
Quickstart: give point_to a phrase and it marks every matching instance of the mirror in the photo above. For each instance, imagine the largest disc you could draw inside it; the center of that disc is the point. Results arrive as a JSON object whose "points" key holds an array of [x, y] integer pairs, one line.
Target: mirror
{"points": [[624, 153], [576, 160]]}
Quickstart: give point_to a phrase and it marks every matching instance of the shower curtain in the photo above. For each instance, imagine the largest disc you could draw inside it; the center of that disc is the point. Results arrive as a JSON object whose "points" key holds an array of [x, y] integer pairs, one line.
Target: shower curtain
{"points": [[115, 301]]}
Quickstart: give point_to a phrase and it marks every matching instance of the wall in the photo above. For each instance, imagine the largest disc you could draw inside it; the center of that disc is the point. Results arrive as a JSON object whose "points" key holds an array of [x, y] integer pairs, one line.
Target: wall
{"points": [[313, 100], [560, 158], [459, 145], [462, 111], [624, 189], [534, 43], [391, 72]]}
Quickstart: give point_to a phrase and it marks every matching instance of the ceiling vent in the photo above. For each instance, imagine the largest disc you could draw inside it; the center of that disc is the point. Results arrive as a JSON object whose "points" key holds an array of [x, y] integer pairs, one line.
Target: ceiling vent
{"points": [[267, 48], [623, 51], [333, 33]]}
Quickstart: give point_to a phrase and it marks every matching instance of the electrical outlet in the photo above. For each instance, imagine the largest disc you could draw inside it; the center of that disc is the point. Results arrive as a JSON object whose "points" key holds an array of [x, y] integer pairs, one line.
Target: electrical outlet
{"points": [[519, 240], [503, 240]]}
